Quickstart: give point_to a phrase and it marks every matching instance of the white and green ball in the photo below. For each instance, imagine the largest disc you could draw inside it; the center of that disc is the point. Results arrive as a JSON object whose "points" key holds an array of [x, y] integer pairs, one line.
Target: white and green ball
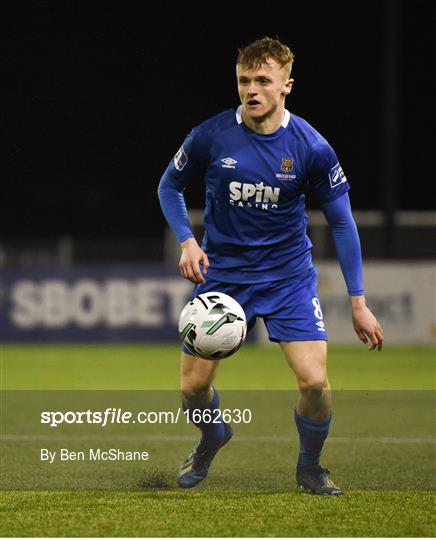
{"points": [[212, 325]]}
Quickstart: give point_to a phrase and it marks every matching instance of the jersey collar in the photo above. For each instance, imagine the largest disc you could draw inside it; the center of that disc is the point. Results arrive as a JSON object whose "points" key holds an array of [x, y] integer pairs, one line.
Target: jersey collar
{"points": [[286, 116]]}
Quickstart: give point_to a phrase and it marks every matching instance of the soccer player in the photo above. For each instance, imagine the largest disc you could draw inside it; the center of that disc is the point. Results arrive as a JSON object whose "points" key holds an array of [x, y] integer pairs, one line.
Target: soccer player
{"points": [[257, 161]]}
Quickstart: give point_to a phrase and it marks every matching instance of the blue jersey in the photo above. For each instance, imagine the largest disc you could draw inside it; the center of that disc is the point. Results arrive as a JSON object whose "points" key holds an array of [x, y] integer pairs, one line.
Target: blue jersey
{"points": [[255, 220]]}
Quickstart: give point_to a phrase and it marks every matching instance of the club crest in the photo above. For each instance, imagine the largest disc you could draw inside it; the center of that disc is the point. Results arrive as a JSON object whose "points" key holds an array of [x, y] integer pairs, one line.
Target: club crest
{"points": [[287, 164]]}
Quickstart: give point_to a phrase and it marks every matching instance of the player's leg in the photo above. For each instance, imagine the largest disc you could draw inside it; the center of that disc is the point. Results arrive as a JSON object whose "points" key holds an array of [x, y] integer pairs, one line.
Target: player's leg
{"points": [[201, 401], [308, 360], [198, 394], [294, 318], [196, 378]]}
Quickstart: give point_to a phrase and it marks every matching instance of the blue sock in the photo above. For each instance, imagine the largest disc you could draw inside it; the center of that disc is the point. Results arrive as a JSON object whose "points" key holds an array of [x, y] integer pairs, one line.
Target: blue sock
{"points": [[313, 433], [213, 431]]}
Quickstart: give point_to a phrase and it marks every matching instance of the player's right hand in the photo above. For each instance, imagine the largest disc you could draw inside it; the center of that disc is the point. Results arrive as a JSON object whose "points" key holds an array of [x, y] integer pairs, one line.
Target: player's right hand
{"points": [[192, 257]]}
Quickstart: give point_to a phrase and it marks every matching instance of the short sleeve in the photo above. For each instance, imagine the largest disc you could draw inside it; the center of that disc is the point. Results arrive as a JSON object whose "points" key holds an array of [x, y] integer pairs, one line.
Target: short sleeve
{"points": [[326, 176]]}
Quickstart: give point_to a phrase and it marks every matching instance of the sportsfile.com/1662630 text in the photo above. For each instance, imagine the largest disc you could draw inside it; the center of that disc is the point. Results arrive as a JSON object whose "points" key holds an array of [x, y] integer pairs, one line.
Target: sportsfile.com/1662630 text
{"points": [[113, 415]]}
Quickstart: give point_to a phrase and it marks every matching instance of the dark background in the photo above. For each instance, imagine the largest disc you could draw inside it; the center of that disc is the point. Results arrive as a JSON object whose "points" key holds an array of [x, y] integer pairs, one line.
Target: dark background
{"points": [[98, 97]]}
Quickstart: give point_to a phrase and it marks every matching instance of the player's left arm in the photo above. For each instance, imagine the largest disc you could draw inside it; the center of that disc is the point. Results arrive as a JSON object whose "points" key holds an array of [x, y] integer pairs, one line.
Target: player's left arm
{"points": [[346, 238]]}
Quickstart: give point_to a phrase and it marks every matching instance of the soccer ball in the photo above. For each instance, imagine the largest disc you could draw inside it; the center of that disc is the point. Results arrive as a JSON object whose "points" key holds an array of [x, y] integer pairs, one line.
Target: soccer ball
{"points": [[212, 325]]}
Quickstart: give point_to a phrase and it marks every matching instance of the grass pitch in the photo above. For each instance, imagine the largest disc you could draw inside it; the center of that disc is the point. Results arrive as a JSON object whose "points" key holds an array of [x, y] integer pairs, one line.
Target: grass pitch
{"points": [[381, 449], [221, 514]]}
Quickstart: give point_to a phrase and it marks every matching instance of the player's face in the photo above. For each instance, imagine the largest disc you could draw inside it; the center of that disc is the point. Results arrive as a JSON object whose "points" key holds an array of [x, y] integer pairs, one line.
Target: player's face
{"points": [[263, 91]]}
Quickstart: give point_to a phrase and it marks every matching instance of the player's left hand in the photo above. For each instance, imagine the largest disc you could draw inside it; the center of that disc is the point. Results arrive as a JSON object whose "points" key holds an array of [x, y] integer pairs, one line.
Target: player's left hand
{"points": [[366, 326]]}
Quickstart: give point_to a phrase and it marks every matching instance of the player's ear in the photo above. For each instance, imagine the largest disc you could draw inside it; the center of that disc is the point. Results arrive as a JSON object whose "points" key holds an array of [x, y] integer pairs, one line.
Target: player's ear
{"points": [[288, 86]]}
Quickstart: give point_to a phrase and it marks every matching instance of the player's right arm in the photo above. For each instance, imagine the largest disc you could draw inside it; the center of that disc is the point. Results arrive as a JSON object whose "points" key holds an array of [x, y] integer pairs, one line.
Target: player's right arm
{"points": [[187, 165], [192, 257]]}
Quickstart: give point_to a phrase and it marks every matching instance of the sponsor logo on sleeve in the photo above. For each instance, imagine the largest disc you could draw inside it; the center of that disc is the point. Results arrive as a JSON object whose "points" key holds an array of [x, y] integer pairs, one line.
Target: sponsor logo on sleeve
{"points": [[336, 176], [180, 159]]}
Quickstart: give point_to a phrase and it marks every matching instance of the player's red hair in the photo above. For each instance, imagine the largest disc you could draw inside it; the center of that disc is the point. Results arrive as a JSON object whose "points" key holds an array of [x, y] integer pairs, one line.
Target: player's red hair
{"points": [[255, 54]]}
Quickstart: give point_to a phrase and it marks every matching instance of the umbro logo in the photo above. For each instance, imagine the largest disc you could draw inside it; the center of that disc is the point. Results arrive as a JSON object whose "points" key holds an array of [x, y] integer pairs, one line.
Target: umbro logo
{"points": [[229, 163]]}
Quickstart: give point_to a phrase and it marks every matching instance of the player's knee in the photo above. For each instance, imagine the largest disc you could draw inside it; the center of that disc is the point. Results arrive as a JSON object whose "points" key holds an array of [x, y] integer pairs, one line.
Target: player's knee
{"points": [[316, 382], [193, 393]]}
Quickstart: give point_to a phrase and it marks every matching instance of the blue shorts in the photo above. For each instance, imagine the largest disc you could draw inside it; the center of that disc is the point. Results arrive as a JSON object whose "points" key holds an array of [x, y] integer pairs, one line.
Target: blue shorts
{"points": [[290, 308]]}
